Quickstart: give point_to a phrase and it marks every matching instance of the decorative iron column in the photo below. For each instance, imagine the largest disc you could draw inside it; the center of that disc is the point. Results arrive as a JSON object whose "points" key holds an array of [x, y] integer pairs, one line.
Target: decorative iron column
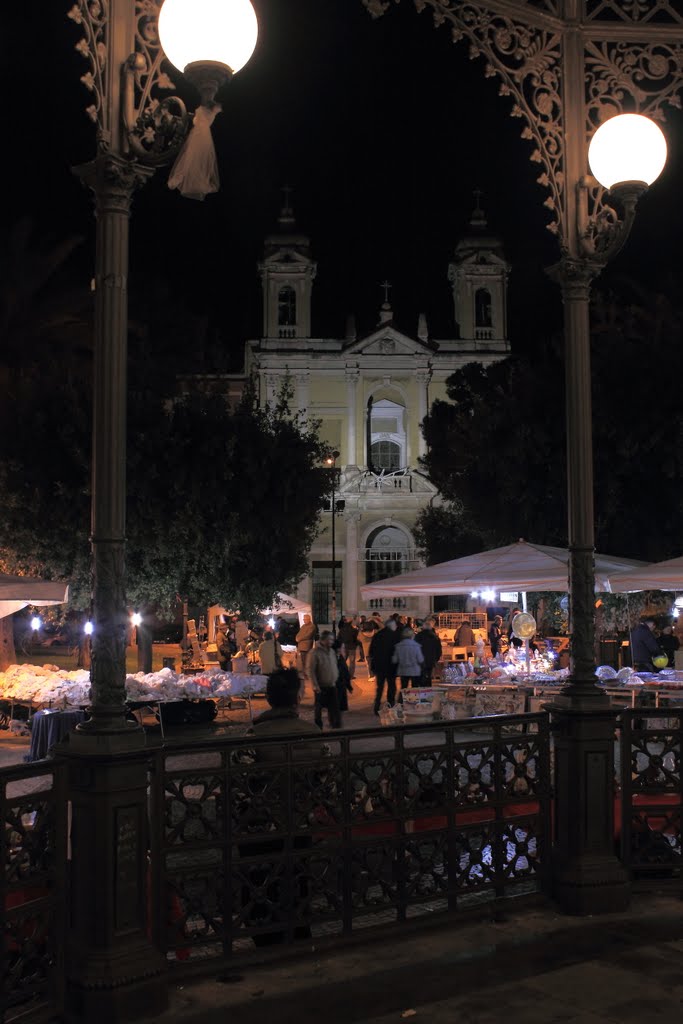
{"points": [[568, 66]]}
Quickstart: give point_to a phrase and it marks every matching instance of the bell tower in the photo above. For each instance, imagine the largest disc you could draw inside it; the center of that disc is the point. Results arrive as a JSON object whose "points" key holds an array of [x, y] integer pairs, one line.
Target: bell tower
{"points": [[478, 274], [287, 275]]}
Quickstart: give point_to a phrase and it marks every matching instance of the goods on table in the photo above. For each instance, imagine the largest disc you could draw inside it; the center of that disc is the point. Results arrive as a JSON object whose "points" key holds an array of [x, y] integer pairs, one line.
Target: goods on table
{"points": [[52, 686]]}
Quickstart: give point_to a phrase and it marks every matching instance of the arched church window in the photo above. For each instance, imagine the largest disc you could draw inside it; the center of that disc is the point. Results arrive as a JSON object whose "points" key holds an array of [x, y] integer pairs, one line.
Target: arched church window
{"points": [[387, 437], [386, 554], [385, 455], [482, 308], [286, 307]]}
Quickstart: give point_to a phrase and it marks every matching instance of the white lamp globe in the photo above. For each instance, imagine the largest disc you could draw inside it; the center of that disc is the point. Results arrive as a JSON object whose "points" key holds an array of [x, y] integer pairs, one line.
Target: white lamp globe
{"points": [[201, 31], [628, 147]]}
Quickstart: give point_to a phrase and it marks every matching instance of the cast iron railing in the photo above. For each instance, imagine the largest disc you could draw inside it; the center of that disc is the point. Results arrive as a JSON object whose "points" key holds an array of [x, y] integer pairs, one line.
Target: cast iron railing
{"points": [[268, 841], [651, 797], [33, 847]]}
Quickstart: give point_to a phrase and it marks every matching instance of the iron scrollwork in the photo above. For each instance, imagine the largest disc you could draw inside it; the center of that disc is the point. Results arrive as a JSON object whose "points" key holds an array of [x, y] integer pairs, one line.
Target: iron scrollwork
{"points": [[527, 52], [155, 123]]}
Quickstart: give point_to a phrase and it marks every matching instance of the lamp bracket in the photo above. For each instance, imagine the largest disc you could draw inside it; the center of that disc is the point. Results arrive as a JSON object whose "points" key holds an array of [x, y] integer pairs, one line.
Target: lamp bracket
{"points": [[624, 56], [136, 117]]}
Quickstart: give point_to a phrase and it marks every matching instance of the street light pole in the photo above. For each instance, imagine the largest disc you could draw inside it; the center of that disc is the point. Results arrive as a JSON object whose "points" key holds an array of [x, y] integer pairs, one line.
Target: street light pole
{"points": [[569, 66], [113, 972], [332, 462]]}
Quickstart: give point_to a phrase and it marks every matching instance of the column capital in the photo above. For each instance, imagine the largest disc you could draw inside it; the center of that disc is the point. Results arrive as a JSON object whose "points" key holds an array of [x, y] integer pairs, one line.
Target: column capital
{"points": [[113, 180]]}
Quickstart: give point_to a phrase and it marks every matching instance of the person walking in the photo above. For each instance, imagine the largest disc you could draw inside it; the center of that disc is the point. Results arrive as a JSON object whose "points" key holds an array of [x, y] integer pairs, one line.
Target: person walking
{"points": [[304, 640], [348, 634], [380, 663], [366, 632], [323, 673], [430, 643], [409, 659], [344, 684]]}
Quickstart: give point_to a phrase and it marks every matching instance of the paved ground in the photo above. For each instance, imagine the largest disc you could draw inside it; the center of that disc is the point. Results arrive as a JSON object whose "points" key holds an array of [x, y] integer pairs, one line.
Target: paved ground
{"points": [[535, 967]]}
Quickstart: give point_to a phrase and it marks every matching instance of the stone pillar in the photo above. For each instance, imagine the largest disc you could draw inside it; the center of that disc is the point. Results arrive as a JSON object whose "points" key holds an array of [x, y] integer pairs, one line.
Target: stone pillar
{"points": [[351, 564], [423, 378], [303, 393], [352, 380]]}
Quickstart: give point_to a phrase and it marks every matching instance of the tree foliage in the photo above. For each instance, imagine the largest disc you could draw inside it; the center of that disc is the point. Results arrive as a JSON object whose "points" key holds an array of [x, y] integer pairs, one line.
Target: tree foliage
{"points": [[222, 503], [497, 447]]}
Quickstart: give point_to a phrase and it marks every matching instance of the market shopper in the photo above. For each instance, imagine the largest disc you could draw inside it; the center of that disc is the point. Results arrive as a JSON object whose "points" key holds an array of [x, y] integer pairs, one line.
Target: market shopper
{"points": [[380, 663], [431, 650], [344, 683], [513, 641], [465, 635], [348, 633], [366, 632], [644, 646], [495, 634], [224, 648], [323, 673], [305, 639], [409, 659], [270, 654], [283, 693], [669, 644]]}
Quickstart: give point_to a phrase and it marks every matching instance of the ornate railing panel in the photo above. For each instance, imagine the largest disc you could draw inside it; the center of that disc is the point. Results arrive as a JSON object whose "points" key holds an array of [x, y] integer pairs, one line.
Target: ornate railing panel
{"points": [[652, 796], [33, 805], [265, 842]]}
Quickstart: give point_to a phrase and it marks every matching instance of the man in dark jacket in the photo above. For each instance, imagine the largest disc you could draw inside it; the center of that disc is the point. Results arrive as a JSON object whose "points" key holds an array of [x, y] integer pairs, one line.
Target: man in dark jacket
{"points": [[380, 657], [644, 646], [431, 648], [348, 634]]}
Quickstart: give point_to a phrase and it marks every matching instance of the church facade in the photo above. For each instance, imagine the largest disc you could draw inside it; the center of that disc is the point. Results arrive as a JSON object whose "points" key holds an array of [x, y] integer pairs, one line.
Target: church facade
{"points": [[370, 393]]}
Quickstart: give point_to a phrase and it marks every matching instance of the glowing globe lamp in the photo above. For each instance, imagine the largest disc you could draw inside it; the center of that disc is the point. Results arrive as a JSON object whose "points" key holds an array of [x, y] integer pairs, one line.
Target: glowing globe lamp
{"points": [[660, 661], [200, 32], [35, 623], [627, 148]]}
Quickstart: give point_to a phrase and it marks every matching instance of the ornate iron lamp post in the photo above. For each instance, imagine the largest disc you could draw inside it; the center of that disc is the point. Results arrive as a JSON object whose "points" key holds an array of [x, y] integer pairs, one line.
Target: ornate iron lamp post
{"points": [[113, 972], [331, 461], [569, 66]]}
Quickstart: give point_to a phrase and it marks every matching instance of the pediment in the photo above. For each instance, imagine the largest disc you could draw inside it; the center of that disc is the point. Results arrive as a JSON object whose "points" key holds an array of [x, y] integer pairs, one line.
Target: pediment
{"points": [[286, 256], [387, 341]]}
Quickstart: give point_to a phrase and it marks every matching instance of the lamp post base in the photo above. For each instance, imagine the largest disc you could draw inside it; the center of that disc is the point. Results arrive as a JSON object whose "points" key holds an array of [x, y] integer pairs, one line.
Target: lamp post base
{"points": [[114, 972], [588, 878]]}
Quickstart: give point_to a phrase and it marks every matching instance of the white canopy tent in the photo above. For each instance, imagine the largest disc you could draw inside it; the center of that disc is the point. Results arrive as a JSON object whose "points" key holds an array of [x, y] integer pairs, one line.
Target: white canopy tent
{"points": [[666, 575], [284, 604], [16, 592], [521, 566]]}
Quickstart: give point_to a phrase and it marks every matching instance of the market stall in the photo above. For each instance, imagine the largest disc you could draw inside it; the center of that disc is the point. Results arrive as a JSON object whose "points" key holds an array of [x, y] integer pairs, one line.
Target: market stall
{"points": [[47, 687]]}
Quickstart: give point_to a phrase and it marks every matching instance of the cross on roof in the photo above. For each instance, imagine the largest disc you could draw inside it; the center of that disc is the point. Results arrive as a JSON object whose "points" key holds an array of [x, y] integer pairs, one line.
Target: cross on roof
{"points": [[387, 288]]}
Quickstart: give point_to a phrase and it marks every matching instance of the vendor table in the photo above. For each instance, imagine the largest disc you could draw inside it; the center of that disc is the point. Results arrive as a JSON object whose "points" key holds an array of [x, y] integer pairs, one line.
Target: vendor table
{"points": [[48, 728]]}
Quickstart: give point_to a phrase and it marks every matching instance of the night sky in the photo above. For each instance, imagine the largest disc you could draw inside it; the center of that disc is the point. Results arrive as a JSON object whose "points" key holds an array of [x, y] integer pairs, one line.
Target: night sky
{"points": [[383, 129]]}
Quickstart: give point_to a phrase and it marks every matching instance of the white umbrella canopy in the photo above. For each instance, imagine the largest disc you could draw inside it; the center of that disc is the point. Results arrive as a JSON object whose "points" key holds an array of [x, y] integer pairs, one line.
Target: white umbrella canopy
{"points": [[18, 591], [666, 575], [520, 566], [286, 605]]}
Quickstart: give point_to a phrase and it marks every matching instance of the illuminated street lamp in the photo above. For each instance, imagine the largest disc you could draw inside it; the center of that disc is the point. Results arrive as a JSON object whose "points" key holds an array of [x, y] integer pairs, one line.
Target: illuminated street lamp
{"points": [[574, 70], [113, 971]]}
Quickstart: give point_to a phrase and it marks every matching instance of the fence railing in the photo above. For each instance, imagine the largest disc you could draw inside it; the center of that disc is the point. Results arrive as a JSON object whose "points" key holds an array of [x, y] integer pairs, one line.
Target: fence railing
{"points": [[33, 884], [650, 801], [263, 842], [269, 841]]}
